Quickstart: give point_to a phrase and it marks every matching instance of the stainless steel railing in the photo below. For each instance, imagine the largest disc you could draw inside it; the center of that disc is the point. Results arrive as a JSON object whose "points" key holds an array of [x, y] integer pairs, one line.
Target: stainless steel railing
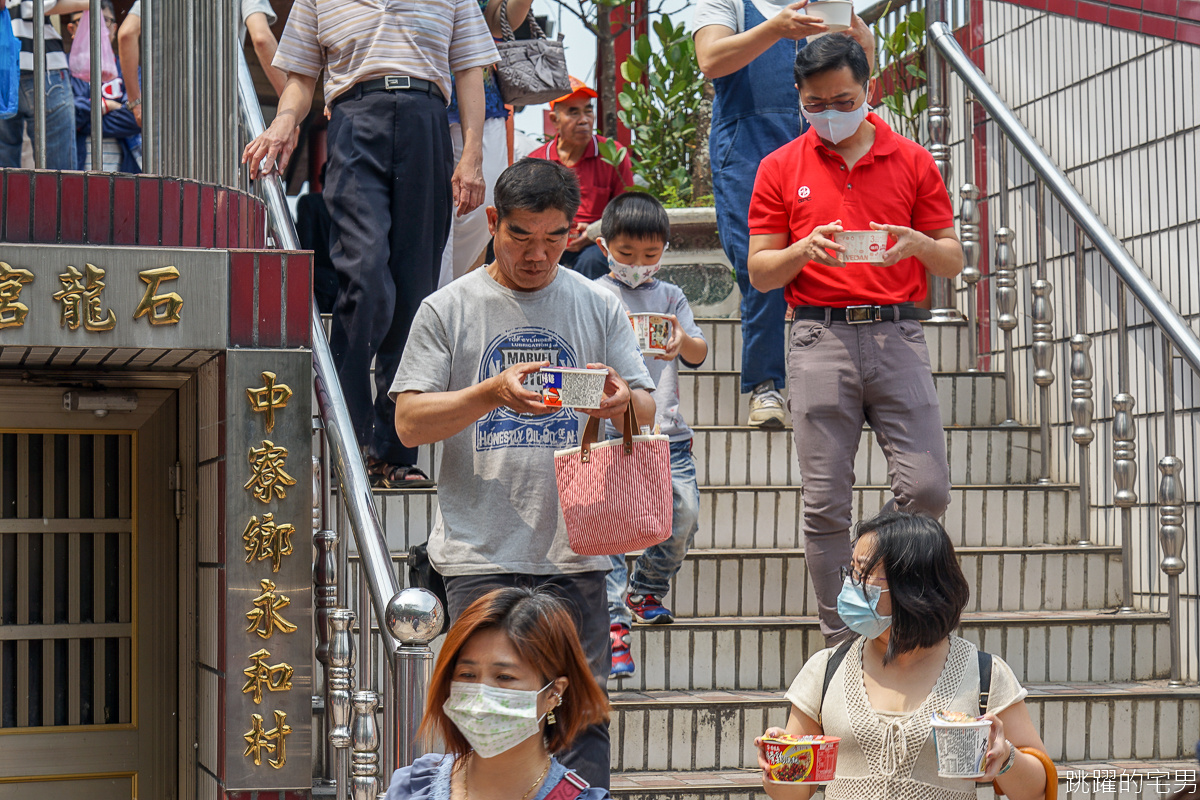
{"points": [[405, 621], [1070, 419]]}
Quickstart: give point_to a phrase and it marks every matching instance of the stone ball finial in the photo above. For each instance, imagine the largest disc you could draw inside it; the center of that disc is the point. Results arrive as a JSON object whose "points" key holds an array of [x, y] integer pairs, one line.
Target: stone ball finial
{"points": [[415, 616]]}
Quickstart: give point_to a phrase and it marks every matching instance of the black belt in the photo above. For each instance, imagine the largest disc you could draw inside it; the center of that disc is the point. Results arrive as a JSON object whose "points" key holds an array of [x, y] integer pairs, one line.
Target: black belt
{"points": [[860, 315], [392, 83]]}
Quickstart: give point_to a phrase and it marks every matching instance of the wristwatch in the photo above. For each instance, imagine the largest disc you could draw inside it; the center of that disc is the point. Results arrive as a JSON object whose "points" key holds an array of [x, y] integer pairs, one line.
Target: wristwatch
{"points": [[134, 104], [1012, 757]]}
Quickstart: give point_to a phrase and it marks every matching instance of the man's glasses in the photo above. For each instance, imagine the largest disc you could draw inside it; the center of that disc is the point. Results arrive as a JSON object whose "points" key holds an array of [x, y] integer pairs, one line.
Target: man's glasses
{"points": [[838, 105]]}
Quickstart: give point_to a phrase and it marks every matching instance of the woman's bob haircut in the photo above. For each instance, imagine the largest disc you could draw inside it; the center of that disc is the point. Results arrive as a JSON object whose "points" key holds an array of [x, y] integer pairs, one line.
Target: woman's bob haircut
{"points": [[928, 589], [541, 630]]}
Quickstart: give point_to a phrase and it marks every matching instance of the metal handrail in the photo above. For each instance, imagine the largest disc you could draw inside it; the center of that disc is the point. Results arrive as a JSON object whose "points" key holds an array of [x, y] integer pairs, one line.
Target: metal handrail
{"points": [[1168, 319], [355, 488]]}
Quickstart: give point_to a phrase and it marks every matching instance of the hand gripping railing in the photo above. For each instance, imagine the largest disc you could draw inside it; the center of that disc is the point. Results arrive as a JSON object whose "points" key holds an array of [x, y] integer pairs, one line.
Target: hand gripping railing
{"points": [[408, 620], [1177, 336]]}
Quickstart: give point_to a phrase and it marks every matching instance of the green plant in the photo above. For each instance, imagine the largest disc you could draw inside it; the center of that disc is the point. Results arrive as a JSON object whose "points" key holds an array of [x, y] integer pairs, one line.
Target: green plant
{"points": [[901, 59], [663, 105]]}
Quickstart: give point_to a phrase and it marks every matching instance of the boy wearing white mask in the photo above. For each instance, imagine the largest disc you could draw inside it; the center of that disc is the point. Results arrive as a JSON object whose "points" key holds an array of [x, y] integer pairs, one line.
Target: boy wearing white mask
{"points": [[856, 351], [634, 234]]}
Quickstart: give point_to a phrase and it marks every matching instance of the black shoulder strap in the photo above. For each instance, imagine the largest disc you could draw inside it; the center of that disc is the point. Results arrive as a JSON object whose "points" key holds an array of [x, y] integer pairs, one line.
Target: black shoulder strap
{"points": [[985, 680], [835, 659]]}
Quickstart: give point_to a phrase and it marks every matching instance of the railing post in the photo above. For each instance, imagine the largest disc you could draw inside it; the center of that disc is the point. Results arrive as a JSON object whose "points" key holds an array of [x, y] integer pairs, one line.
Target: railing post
{"points": [[1043, 364], [325, 601], [941, 290], [415, 618], [1082, 409], [969, 233], [365, 737], [1124, 454], [1170, 511], [338, 698], [39, 82], [1006, 319]]}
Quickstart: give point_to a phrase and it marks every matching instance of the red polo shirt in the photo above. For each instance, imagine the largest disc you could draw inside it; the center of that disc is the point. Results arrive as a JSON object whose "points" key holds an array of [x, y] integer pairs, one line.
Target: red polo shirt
{"points": [[598, 181], [805, 184]]}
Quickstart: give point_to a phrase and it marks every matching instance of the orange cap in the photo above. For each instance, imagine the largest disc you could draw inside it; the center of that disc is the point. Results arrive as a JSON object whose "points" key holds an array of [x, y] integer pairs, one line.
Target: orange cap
{"points": [[578, 87]]}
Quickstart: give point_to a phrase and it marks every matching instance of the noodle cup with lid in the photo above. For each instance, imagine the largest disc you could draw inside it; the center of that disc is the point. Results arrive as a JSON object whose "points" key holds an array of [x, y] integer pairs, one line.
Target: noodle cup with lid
{"points": [[962, 743], [569, 387], [800, 759], [653, 332], [862, 246]]}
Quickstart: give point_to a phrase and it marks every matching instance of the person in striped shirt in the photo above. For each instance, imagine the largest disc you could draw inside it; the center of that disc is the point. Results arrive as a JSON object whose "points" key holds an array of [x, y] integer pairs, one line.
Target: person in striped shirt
{"points": [[392, 182], [60, 99]]}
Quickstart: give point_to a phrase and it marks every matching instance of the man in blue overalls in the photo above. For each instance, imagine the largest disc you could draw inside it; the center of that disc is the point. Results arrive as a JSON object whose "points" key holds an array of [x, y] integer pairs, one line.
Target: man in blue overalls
{"points": [[747, 48]]}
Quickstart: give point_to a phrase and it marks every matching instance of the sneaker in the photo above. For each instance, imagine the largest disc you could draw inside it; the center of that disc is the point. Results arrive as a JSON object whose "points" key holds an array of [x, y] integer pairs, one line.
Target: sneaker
{"points": [[647, 609], [622, 659], [766, 407]]}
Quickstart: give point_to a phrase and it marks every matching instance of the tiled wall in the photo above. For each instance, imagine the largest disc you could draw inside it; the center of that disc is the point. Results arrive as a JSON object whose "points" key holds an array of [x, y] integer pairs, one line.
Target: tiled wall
{"points": [[1166, 19], [1117, 112]]}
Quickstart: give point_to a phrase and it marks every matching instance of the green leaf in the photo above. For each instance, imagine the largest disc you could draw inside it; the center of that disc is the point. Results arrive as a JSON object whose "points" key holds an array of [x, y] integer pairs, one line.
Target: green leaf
{"points": [[630, 71], [920, 104]]}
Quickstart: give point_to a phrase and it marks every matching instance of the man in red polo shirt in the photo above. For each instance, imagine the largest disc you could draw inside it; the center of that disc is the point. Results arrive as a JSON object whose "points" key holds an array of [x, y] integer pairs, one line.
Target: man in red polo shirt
{"points": [[856, 351], [577, 147]]}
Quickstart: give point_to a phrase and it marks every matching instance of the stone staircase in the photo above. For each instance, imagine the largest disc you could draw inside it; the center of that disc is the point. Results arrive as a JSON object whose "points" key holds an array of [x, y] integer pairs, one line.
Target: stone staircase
{"points": [[683, 725]]}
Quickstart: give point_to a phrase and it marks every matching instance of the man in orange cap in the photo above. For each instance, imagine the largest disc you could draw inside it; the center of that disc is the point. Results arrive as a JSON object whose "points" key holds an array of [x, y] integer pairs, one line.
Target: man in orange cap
{"points": [[578, 147]]}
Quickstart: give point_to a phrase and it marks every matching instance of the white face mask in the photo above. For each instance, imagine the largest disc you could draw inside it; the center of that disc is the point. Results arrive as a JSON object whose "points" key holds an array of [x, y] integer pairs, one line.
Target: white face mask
{"points": [[836, 126], [493, 720], [631, 275]]}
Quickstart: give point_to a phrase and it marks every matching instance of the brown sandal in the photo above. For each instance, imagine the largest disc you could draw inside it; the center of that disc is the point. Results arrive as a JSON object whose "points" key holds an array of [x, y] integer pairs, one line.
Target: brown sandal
{"points": [[396, 476]]}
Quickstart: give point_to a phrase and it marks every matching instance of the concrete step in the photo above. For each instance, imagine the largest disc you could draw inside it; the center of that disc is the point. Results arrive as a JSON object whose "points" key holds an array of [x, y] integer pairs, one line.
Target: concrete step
{"points": [[947, 344], [713, 397], [770, 582], [765, 652], [761, 517], [741, 455], [1078, 722], [1104, 780]]}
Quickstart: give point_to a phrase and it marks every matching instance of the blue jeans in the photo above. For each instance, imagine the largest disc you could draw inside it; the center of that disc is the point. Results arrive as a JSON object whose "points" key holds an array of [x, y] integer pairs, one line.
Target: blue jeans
{"points": [[60, 122], [654, 568]]}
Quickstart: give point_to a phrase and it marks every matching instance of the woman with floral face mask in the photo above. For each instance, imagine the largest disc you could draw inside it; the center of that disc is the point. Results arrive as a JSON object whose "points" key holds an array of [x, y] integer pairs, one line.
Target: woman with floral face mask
{"points": [[511, 687], [903, 595]]}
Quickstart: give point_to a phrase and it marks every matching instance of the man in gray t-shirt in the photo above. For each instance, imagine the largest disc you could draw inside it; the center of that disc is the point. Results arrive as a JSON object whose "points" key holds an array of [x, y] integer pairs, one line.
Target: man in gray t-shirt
{"points": [[468, 378]]}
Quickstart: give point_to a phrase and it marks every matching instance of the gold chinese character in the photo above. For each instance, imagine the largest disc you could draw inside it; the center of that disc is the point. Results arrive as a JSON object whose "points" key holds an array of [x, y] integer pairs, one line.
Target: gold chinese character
{"points": [[12, 312], [272, 741], [276, 678], [269, 397], [162, 308], [267, 540], [268, 477], [265, 618], [81, 303]]}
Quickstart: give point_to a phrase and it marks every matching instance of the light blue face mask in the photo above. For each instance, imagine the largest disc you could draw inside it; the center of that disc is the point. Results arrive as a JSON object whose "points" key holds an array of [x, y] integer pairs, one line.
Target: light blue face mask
{"points": [[856, 606]]}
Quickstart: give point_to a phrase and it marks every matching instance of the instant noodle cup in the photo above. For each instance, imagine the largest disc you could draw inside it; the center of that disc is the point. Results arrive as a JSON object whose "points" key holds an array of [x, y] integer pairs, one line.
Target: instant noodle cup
{"points": [[568, 387], [862, 246], [653, 332], [961, 742], [800, 759], [837, 14]]}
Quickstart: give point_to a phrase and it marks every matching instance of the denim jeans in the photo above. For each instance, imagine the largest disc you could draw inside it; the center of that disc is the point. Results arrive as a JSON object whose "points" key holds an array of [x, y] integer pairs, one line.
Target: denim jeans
{"points": [[654, 568], [60, 122]]}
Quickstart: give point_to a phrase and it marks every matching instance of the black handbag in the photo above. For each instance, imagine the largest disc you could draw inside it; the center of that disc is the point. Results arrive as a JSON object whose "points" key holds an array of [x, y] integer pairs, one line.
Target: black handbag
{"points": [[422, 574], [530, 71]]}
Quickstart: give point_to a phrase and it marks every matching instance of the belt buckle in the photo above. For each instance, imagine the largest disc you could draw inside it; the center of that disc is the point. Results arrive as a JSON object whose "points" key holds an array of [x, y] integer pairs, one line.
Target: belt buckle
{"points": [[393, 82], [861, 315]]}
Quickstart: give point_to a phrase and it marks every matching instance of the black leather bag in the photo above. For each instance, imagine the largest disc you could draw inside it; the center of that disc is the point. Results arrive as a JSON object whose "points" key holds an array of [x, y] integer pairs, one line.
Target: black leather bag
{"points": [[422, 574], [531, 71]]}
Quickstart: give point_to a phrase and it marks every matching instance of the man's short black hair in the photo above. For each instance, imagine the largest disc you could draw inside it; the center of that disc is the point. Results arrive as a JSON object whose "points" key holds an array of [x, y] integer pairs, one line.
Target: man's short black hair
{"points": [[636, 215], [829, 53], [535, 184], [927, 585]]}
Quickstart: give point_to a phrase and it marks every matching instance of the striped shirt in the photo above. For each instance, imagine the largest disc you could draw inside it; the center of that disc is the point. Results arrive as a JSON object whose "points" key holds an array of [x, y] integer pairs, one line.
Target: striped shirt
{"points": [[22, 26], [355, 40]]}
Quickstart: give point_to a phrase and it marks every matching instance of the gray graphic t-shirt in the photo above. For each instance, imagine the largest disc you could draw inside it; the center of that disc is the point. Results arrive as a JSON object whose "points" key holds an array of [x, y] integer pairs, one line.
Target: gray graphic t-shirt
{"points": [[496, 489], [659, 297]]}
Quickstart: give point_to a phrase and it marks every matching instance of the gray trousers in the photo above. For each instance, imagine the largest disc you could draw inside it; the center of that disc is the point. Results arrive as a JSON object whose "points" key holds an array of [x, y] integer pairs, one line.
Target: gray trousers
{"points": [[585, 596], [841, 376]]}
